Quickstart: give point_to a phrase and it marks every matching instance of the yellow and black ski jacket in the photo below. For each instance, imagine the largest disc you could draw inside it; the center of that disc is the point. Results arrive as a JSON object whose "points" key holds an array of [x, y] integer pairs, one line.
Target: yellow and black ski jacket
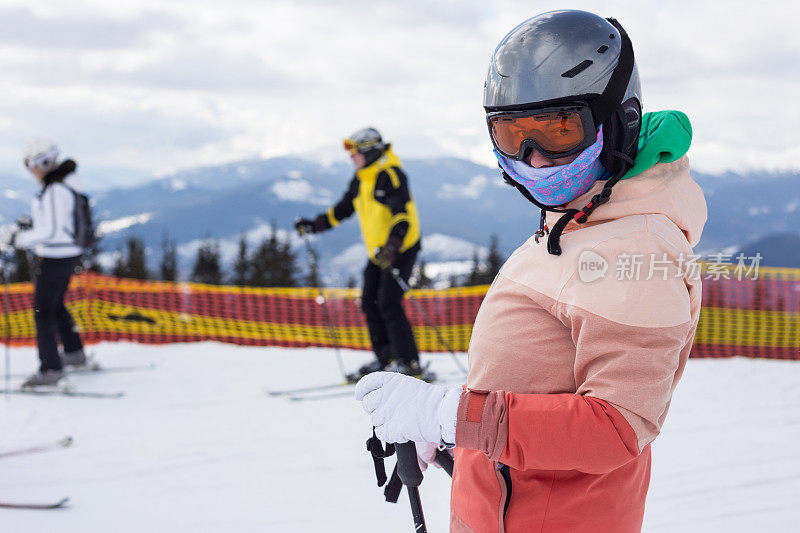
{"points": [[379, 194]]}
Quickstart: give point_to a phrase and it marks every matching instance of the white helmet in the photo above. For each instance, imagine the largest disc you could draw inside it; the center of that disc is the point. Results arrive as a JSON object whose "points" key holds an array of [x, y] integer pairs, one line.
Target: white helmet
{"points": [[41, 153]]}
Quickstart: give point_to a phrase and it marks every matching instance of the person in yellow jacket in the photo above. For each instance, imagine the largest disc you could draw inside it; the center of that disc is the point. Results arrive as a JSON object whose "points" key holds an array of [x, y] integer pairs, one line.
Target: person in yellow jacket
{"points": [[380, 195]]}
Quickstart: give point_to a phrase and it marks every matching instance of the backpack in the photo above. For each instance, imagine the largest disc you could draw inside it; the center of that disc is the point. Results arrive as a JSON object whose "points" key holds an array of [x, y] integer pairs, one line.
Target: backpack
{"points": [[85, 234]]}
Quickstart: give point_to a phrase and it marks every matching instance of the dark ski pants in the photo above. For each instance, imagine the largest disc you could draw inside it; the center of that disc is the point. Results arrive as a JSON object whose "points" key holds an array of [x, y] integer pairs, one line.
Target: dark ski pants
{"points": [[50, 314], [382, 302]]}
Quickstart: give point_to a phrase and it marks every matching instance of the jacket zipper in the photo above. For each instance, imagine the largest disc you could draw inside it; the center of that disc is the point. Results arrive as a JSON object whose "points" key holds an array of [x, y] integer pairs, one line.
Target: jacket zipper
{"points": [[504, 476]]}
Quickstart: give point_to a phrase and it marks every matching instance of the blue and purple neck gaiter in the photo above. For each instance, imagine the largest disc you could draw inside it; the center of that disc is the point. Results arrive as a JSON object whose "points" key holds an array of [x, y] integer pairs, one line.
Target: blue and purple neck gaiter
{"points": [[552, 186]]}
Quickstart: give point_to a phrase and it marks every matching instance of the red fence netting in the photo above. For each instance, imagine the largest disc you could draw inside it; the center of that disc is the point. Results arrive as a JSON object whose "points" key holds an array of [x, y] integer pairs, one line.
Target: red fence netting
{"points": [[740, 317]]}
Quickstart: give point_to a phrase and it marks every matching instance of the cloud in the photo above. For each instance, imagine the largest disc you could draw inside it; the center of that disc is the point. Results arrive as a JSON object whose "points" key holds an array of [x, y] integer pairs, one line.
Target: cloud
{"points": [[159, 86], [472, 190], [208, 69], [24, 28], [123, 129]]}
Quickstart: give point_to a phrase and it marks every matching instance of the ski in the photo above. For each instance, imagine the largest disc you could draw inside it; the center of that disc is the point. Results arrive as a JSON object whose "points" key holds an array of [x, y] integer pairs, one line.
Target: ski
{"points": [[62, 443], [95, 368], [315, 388], [64, 392], [326, 394], [57, 505], [303, 393], [323, 396]]}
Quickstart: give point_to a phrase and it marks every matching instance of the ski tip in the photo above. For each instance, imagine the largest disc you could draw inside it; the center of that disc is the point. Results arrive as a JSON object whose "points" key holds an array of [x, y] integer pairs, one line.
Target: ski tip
{"points": [[61, 504]]}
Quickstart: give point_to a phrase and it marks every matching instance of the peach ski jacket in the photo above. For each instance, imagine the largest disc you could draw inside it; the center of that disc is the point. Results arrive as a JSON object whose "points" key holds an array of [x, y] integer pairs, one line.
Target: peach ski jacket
{"points": [[574, 358]]}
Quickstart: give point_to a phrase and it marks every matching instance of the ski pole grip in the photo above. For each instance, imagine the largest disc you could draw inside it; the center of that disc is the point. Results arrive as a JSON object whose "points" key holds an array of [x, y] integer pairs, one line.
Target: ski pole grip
{"points": [[444, 460], [407, 465]]}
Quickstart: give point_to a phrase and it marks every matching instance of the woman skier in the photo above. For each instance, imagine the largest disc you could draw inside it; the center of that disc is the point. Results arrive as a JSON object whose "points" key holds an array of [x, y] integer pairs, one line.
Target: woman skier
{"points": [[52, 238], [576, 351]]}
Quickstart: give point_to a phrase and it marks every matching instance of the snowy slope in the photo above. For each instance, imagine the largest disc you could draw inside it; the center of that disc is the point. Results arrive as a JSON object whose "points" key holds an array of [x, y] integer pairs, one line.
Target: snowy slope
{"points": [[196, 445]]}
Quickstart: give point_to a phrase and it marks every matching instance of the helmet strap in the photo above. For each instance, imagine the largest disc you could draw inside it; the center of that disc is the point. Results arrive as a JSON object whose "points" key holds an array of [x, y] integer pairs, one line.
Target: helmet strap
{"points": [[578, 215], [372, 155], [604, 106]]}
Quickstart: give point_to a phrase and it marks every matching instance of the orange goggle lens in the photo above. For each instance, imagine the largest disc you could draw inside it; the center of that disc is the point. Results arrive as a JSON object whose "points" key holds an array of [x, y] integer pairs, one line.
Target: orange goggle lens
{"points": [[350, 145], [556, 132]]}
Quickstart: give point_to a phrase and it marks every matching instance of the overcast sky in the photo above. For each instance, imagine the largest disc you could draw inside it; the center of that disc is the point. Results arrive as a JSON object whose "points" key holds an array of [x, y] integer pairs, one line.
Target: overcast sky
{"points": [[149, 87]]}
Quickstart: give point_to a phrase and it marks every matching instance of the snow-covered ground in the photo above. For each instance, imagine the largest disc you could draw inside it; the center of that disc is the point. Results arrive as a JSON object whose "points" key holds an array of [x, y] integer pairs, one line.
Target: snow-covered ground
{"points": [[197, 445]]}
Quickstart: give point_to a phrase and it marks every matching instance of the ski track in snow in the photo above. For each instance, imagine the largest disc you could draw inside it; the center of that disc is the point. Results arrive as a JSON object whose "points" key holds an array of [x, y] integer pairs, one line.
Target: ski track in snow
{"points": [[198, 445]]}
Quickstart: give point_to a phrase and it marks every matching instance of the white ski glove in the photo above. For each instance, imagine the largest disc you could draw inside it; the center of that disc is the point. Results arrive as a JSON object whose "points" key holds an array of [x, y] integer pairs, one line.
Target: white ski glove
{"points": [[404, 409]]}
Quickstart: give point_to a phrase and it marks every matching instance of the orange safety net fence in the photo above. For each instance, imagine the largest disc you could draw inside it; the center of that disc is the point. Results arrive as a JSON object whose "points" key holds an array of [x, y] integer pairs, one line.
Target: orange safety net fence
{"points": [[740, 317]]}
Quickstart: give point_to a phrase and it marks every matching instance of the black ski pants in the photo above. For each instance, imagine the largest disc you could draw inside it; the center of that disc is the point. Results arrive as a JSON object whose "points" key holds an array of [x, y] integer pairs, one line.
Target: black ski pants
{"points": [[51, 316], [382, 303]]}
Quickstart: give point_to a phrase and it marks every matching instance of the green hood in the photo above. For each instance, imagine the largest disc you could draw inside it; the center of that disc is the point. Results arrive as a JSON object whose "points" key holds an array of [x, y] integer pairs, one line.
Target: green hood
{"points": [[665, 137]]}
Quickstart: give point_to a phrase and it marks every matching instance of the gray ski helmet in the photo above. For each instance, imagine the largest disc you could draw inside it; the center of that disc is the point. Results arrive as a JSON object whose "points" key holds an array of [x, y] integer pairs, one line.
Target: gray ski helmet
{"points": [[365, 140], [566, 56]]}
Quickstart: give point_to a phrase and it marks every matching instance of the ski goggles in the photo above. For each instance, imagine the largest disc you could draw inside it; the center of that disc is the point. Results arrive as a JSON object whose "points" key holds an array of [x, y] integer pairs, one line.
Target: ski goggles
{"points": [[353, 147], [558, 131], [36, 161]]}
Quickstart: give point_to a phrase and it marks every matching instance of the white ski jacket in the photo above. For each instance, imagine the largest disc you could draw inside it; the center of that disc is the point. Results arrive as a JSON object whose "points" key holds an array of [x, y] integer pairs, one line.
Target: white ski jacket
{"points": [[52, 211]]}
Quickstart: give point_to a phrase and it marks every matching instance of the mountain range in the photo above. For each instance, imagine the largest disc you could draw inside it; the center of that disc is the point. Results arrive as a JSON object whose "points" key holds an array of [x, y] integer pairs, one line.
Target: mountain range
{"points": [[461, 205]]}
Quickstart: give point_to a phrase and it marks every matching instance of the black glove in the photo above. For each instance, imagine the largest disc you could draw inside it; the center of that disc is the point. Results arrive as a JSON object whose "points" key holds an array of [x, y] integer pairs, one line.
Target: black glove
{"points": [[24, 222], [304, 225], [318, 225], [386, 254]]}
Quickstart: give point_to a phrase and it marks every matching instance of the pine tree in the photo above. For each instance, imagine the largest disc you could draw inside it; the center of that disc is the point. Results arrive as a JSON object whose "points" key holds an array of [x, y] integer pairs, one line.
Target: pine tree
{"points": [[21, 269], [421, 279], [484, 272], [242, 268], [274, 263], [312, 278], [494, 261], [132, 263], [93, 258], [169, 259], [474, 276], [207, 266]]}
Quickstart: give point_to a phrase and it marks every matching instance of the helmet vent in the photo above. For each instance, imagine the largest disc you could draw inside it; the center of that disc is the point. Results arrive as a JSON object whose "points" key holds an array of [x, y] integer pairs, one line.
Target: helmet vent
{"points": [[577, 69], [602, 49]]}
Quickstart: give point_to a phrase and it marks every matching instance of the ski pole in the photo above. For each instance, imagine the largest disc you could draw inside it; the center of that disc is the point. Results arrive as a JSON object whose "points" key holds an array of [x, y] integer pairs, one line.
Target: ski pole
{"points": [[323, 301], [7, 311], [406, 289], [445, 460], [411, 476]]}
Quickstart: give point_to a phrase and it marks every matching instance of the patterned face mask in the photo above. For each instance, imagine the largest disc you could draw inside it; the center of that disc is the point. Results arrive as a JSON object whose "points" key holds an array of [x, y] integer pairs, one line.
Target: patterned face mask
{"points": [[552, 186]]}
